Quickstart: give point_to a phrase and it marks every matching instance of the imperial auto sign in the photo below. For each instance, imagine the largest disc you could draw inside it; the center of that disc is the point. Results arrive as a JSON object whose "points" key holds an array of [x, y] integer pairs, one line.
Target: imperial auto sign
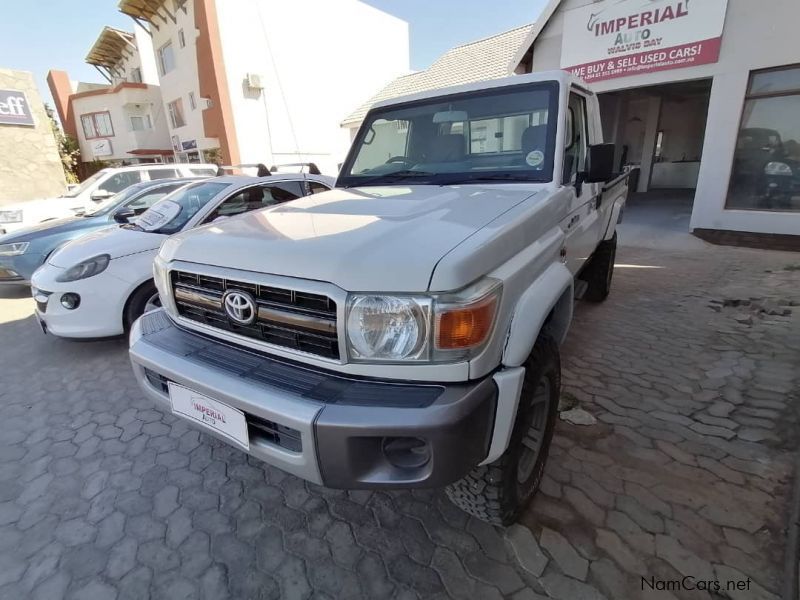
{"points": [[618, 38]]}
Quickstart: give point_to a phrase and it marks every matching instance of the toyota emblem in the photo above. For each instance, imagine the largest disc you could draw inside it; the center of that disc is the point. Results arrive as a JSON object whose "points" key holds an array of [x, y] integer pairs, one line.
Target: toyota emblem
{"points": [[240, 307]]}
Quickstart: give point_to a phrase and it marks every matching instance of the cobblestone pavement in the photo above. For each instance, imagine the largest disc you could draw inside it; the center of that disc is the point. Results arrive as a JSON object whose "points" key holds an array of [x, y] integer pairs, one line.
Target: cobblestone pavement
{"points": [[687, 472]]}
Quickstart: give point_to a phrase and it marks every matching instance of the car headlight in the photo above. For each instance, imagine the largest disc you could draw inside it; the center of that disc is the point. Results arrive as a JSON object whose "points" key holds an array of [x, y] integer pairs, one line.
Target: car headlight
{"points": [[423, 328], [87, 268], [777, 168], [11, 216], [14, 249]]}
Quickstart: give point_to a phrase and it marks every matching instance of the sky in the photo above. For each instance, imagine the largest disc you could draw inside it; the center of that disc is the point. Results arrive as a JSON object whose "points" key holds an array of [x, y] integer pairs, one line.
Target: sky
{"points": [[39, 35]]}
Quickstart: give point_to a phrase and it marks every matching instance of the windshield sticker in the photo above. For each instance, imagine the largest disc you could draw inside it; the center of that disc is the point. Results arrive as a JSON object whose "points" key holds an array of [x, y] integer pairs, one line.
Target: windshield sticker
{"points": [[158, 216], [535, 158]]}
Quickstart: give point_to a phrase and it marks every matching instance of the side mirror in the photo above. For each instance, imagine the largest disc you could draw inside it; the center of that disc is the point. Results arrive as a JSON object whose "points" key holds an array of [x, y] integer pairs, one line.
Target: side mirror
{"points": [[600, 163], [124, 215], [100, 195]]}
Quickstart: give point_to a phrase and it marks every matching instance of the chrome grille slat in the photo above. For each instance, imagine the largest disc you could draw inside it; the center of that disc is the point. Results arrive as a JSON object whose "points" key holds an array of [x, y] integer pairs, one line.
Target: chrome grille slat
{"points": [[288, 318]]}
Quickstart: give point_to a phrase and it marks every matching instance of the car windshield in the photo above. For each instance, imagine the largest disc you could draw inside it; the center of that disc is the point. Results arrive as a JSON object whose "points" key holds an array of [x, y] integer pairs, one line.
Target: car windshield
{"points": [[119, 198], [503, 134], [171, 214], [87, 183]]}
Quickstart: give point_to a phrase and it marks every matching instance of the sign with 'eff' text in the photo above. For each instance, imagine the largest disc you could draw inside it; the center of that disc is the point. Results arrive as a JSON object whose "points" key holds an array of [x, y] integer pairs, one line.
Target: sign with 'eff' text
{"points": [[619, 38], [14, 108]]}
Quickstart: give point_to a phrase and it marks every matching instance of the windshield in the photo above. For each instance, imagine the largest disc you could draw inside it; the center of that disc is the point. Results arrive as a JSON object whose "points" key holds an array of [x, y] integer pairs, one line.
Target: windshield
{"points": [[505, 134], [119, 198], [85, 185], [172, 213]]}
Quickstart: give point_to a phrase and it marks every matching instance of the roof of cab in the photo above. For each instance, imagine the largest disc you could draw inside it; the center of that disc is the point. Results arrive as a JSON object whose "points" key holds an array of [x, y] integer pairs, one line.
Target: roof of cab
{"points": [[562, 77]]}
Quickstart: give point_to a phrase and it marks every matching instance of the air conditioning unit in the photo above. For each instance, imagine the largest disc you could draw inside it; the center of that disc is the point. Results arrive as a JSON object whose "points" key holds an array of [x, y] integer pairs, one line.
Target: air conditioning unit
{"points": [[254, 81]]}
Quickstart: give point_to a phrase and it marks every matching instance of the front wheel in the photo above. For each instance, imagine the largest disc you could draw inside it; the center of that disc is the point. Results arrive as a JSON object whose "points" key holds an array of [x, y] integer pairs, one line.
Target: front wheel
{"points": [[143, 300], [498, 492]]}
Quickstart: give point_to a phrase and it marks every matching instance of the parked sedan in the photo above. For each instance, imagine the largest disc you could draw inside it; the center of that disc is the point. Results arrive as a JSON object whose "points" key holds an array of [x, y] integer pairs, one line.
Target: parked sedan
{"points": [[24, 251], [97, 285]]}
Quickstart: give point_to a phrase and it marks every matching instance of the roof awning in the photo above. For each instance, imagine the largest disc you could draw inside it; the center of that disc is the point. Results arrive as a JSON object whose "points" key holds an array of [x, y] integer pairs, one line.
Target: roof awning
{"points": [[110, 47], [150, 10]]}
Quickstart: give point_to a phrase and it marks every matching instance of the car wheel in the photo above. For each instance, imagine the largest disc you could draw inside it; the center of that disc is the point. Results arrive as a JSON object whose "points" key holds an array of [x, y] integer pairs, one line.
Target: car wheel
{"points": [[144, 298], [600, 271], [498, 492]]}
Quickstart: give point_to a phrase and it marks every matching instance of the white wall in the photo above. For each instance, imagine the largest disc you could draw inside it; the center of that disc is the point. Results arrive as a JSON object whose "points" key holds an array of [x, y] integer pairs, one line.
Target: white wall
{"points": [[319, 59], [147, 60], [757, 35], [120, 107], [183, 79]]}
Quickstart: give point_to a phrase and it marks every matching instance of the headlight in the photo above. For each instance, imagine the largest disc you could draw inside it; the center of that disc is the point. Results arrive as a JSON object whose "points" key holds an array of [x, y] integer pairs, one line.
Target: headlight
{"points": [[777, 168], [432, 328], [14, 249], [87, 268], [11, 216], [387, 328]]}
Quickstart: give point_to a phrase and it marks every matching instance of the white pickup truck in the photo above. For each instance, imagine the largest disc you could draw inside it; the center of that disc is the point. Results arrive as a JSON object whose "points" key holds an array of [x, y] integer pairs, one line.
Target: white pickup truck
{"points": [[402, 330]]}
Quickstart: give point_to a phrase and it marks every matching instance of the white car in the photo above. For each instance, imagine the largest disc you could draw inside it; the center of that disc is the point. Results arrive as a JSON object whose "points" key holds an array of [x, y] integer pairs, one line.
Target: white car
{"points": [[89, 195], [97, 285]]}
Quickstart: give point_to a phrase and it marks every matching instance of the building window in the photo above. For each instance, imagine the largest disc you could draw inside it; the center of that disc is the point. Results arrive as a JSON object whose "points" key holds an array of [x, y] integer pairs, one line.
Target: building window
{"points": [[166, 58], [766, 162], [181, 39], [192, 101], [141, 123], [136, 75], [175, 109], [97, 125]]}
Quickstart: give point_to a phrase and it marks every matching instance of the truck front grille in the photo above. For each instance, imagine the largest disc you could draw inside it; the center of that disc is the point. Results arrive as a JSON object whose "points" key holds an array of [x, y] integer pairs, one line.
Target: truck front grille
{"points": [[287, 318]]}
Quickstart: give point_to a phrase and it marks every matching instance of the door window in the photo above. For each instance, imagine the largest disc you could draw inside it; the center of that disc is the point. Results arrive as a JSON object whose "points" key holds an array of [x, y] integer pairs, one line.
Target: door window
{"points": [[315, 187], [162, 173], [256, 197], [119, 181], [575, 144]]}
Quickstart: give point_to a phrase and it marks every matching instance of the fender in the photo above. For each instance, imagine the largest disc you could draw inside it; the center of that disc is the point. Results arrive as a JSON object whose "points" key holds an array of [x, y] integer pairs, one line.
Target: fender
{"points": [[616, 217], [533, 308]]}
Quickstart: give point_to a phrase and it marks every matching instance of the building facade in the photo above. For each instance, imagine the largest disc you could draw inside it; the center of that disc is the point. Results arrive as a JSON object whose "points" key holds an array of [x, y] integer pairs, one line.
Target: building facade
{"points": [[703, 96], [122, 121], [254, 81], [31, 167]]}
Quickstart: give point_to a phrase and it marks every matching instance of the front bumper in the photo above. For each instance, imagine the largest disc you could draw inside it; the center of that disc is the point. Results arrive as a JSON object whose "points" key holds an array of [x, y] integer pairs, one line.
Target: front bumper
{"points": [[326, 428], [19, 269]]}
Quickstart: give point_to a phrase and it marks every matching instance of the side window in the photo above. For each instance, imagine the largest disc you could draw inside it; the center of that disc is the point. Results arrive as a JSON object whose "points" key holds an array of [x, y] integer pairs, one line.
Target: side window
{"points": [[575, 144], [254, 198], [145, 201], [315, 187], [162, 173], [119, 181], [203, 171]]}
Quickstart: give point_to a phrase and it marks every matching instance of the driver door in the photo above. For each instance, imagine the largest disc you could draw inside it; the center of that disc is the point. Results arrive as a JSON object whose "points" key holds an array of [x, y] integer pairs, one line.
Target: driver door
{"points": [[582, 225]]}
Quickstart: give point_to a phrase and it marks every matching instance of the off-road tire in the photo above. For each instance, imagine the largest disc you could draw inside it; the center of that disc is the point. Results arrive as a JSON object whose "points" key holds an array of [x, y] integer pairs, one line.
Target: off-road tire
{"points": [[135, 306], [600, 271], [493, 492]]}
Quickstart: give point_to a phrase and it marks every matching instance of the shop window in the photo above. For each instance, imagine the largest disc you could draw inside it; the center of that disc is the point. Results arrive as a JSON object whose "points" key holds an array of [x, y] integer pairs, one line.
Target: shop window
{"points": [[96, 125], [766, 162], [175, 109], [166, 58]]}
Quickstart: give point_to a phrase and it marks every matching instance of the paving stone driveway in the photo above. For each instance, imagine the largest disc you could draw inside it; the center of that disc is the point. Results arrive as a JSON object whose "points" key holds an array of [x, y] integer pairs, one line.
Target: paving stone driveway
{"points": [[687, 472]]}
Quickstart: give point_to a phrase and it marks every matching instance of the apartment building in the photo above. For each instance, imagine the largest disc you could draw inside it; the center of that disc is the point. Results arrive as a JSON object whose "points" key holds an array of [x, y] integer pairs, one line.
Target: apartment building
{"points": [[258, 81], [122, 121]]}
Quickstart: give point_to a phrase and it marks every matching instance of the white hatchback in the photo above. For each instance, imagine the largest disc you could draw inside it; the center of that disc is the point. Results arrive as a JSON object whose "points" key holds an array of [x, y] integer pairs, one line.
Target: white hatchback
{"points": [[97, 285], [94, 191]]}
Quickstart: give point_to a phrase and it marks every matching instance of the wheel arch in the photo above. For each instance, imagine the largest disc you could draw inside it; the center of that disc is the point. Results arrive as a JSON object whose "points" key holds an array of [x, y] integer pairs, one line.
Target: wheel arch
{"points": [[128, 300], [549, 301]]}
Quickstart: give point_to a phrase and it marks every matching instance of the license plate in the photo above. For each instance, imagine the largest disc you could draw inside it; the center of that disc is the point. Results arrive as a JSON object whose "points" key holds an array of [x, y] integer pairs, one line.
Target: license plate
{"points": [[210, 413]]}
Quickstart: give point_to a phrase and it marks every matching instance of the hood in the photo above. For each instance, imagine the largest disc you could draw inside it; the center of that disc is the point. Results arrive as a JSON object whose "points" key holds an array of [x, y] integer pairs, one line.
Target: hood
{"points": [[380, 239], [114, 241], [54, 227], [59, 201]]}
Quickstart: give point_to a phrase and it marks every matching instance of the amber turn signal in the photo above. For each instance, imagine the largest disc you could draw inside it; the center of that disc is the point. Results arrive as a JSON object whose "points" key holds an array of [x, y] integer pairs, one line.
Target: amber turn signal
{"points": [[465, 326]]}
